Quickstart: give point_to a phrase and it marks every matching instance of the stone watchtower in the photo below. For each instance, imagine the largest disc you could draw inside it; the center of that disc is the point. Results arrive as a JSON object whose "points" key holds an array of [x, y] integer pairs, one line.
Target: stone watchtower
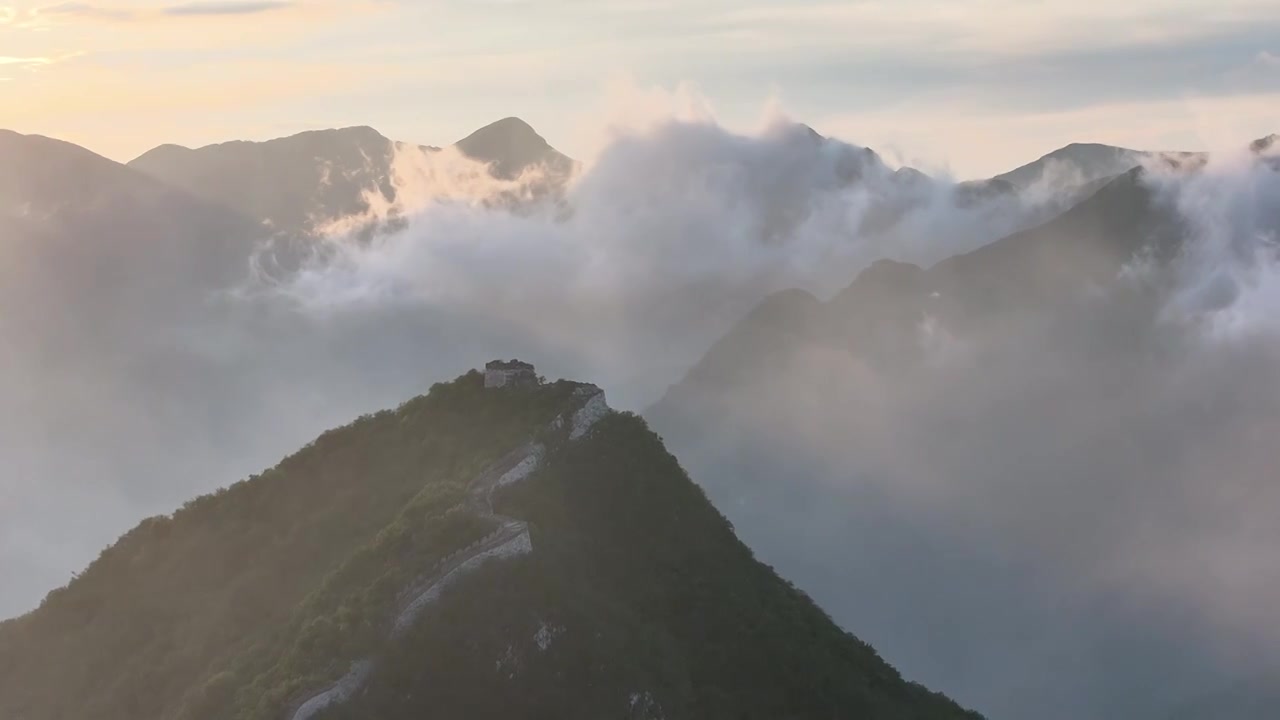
{"points": [[509, 373]]}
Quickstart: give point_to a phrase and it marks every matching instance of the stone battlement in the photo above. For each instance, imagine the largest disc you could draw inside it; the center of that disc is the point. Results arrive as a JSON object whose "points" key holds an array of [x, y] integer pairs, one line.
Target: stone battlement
{"points": [[509, 373]]}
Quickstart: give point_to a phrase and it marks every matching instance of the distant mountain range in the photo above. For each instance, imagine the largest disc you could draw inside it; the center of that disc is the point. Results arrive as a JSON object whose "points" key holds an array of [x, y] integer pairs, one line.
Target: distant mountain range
{"points": [[1015, 385], [300, 182], [260, 599], [1083, 163], [102, 245]]}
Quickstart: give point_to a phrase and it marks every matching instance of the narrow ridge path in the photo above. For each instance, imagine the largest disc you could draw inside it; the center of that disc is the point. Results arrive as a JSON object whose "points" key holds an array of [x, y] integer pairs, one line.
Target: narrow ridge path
{"points": [[510, 539]]}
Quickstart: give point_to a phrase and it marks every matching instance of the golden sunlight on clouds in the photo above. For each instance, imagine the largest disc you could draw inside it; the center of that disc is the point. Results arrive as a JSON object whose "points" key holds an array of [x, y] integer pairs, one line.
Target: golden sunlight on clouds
{"points": [[28, 64], [34, 16], [1012, 79], [24, 60]]}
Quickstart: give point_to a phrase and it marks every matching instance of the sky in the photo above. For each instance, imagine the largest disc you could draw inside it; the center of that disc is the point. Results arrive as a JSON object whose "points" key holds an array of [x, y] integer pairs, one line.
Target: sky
{"points": [[972, 87]]}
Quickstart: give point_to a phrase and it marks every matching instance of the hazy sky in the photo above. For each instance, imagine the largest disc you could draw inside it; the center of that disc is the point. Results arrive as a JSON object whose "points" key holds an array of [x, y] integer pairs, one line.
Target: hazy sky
{"points": [[972, 85]]}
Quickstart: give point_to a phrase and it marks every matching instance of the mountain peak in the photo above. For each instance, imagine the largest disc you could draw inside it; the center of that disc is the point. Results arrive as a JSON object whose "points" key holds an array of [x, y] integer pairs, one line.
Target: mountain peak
{"points": [[798, 132], [509, 146], [290, 182], [510, 126], [1264, 144], [354, 132], [1090, 152], [511, 129], [1090, 161], [509, 542], [46, 172]]}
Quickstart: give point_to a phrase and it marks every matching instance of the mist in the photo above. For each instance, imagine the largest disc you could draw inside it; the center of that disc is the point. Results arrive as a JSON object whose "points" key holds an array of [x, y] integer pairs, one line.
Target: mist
{"points": [[1050, 506], [663, 241], [186, 350], [1053, 509]]}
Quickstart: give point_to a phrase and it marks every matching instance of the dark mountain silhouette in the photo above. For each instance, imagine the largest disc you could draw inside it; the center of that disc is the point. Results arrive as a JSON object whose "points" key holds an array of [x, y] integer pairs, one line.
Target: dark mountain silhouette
{"points": [[107, 279], [970, 420], [293, 183], [301, 182], [112, 281], [475, 553], [510, 147], [1088, 161], [94, 243], [1025, 272], [1081, 165]]}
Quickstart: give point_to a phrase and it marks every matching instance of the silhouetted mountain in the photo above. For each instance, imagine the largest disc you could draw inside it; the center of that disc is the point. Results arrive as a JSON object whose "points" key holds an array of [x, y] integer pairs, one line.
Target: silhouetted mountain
{"points": [[293, 183], [300, 183], [108, 278], [1025, 272], [94, 243], [1078, 162], [999, 419], [1081, 164], [510, 147], [972, 192], [478, 553]]}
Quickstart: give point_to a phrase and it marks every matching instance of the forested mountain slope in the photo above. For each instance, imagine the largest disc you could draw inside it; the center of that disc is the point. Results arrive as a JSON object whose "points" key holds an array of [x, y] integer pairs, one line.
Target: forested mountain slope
{"points": [[477, 552]]}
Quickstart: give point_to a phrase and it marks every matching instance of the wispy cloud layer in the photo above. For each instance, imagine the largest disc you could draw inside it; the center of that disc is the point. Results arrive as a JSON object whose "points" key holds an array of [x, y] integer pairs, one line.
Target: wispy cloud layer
{"points": [[474, 61], [24, 61], [224, 8], [85, 10], [44, 16]]}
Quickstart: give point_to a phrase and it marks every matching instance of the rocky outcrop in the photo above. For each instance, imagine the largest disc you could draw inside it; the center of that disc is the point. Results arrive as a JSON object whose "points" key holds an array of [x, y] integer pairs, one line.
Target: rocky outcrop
{"points": [[591, 411]]}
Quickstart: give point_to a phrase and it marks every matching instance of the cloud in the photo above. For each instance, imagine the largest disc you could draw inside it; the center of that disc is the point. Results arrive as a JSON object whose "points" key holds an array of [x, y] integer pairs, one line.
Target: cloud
{"points": [[1010, 29], [1050, 510], [958, 483], [35, 63], [84, 10], [1229, 275], [668, 214], [225, 8], [89, 11], [1091, 487], [25, 61]]}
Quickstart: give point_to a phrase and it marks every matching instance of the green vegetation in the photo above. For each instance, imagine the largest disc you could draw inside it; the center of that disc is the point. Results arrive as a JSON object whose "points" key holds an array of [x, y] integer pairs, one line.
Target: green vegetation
{"points": [[647, 605], [638, 600], [275, 578]]}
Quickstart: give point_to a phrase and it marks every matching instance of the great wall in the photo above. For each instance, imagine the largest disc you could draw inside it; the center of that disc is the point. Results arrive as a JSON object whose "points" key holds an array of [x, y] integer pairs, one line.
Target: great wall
{"points": [[510, 539]]}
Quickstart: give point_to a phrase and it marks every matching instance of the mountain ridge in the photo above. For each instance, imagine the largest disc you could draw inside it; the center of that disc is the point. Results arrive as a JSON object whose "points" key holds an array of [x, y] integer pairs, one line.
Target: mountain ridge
{"points": [[301, 182], [277, 597], [354, 131], [1001, 387]]}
